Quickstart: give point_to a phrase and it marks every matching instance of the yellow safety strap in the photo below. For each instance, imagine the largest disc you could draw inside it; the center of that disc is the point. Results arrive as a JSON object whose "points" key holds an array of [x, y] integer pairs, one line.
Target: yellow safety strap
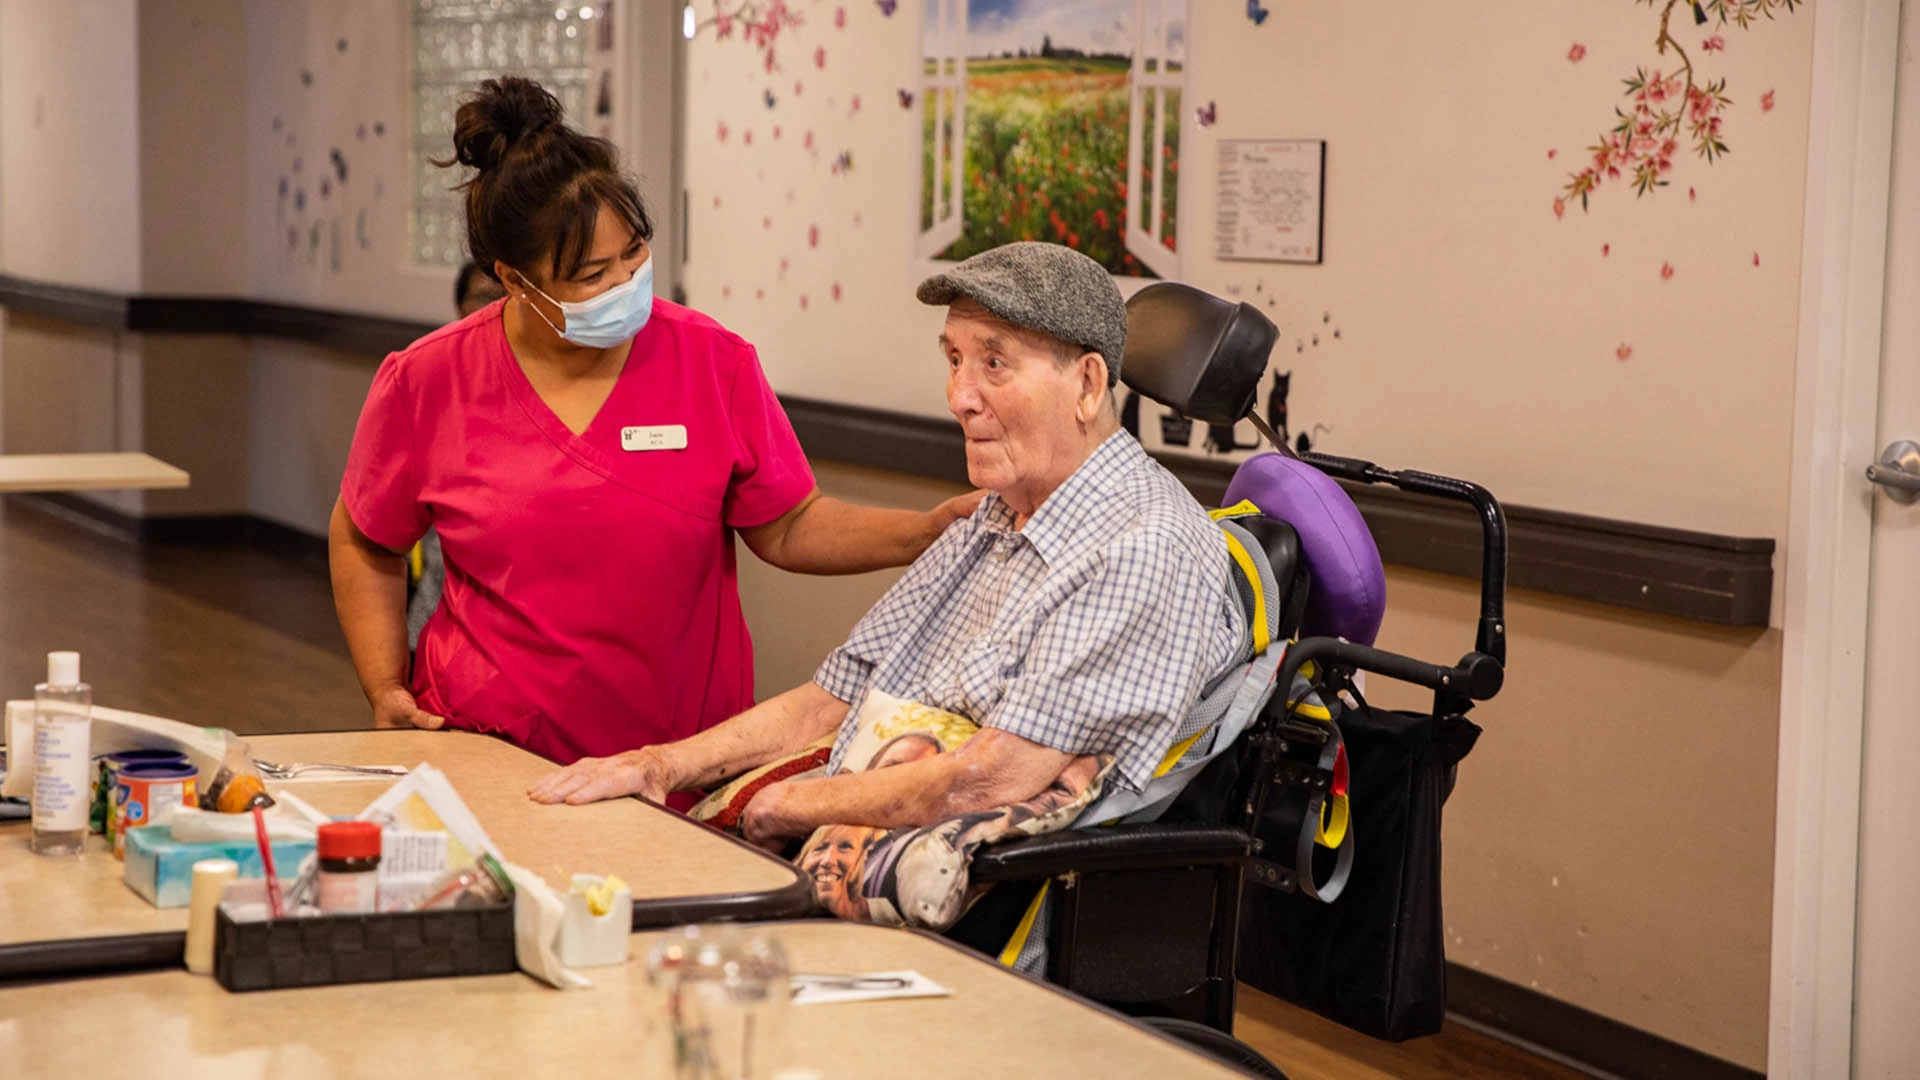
{"points": [[1334, 816], [1306, 708], [416, 562], [1011, 954], [1243, 508], [1179, 751], [1261, 636]]}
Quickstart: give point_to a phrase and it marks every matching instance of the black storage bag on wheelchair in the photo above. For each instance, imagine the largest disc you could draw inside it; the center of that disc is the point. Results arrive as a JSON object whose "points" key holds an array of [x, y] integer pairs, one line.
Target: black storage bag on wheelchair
{"points": [[1375, 958]]}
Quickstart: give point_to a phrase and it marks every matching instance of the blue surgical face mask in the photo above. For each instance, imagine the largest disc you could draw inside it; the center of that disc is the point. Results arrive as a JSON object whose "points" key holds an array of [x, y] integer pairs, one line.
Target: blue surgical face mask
{"points": [[609, 319]]}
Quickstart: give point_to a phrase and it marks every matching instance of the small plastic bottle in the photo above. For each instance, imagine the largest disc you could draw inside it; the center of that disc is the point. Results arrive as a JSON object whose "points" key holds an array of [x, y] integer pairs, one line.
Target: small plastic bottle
{"points": [[62, 758], [349, 867]]}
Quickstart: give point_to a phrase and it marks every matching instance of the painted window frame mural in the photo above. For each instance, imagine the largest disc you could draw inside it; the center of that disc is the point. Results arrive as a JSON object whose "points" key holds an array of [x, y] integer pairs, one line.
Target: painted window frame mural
{"points": [[455, 45], [1119, 204]]}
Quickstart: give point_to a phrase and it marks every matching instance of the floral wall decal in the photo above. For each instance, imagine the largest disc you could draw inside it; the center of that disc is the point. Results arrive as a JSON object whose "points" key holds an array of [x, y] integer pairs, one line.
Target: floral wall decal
{"points": [[760, 23], [1667, 108]]}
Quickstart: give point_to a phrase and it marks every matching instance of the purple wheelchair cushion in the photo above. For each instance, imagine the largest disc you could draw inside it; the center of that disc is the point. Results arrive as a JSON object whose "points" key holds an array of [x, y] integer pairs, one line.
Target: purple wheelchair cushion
{"points": [[1347, 596]]}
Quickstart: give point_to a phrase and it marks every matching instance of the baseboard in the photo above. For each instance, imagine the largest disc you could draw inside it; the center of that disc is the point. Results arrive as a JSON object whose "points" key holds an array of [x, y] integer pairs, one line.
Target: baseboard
{"points": [[1576, 1035], [182, 530]]}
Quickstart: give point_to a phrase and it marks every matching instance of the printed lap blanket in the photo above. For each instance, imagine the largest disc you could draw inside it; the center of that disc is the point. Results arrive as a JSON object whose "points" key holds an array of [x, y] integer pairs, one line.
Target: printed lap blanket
{"points": [[915, 876]]}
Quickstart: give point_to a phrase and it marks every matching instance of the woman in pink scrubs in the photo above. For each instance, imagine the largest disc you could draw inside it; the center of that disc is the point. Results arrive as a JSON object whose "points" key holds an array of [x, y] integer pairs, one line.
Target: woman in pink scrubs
{"points": [[586, 453]]}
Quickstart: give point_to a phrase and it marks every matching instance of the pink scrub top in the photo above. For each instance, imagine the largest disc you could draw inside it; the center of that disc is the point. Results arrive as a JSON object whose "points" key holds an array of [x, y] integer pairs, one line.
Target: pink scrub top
{"points": [[591, 603]]}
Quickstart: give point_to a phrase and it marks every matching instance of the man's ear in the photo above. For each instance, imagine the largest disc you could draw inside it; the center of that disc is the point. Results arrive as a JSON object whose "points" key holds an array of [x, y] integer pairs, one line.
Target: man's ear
{"points": [[1093, 387]]}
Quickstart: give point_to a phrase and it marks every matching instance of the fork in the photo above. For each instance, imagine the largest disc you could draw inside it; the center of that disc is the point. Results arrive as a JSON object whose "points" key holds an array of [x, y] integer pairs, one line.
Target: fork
{"points": [[273, 770]]}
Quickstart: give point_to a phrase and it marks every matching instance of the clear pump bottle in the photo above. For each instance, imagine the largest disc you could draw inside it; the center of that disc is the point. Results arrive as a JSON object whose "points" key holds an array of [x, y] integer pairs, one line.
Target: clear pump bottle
{"points": [[62, 758]]}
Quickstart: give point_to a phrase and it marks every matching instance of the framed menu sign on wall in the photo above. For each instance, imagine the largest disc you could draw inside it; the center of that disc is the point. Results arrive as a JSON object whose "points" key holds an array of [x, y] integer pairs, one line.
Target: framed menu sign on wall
{"points": [[1268, 207]]}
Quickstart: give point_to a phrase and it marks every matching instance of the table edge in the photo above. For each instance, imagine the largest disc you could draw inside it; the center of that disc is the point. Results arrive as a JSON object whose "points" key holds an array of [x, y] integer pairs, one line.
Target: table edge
{"points": [[115, 953]]}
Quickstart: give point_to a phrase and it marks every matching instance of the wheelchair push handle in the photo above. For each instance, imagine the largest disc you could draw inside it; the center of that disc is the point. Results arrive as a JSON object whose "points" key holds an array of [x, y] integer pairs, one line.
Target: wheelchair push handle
{"points": [[1477, 677], [1491, 639]]}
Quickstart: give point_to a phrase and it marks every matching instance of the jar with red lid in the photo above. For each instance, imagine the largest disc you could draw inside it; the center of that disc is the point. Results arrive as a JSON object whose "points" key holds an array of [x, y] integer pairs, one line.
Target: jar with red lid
{"points": [[349, 866]]}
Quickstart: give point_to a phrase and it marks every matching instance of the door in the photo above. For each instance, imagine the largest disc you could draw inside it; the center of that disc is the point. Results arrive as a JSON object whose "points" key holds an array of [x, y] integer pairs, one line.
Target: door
{"points": [[1887, 934]]}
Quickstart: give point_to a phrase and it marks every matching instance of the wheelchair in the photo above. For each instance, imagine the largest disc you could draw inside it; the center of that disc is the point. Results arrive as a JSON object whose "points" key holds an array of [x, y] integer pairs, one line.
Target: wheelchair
{"points": [[1150, 915]]}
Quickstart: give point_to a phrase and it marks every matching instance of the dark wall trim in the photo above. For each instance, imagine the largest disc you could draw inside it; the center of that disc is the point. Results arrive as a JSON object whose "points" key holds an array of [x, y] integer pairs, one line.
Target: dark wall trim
{"points": [[184, 530], [1701, 577], [343, 330], [87, 307], [1586, 1038]]}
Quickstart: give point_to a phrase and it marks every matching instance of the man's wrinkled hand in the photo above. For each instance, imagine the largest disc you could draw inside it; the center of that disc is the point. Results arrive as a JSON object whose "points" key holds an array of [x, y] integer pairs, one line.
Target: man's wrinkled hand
{"points": [[763, 823], [636, 772]]}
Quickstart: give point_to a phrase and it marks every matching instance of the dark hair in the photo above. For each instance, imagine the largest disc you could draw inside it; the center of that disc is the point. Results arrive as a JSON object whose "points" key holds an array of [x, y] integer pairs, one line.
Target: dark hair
{"points": [[538, 185], [463, 282]]}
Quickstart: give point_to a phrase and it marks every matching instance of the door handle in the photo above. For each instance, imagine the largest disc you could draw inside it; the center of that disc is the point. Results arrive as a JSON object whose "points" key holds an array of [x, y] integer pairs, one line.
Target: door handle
{"points": [[1898, 471]]}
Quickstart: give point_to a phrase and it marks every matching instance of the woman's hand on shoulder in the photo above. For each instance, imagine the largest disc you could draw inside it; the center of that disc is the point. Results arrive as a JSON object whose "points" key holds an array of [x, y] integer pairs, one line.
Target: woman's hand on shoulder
{"points": [[955, 509], [636, 772], [395, 707]]}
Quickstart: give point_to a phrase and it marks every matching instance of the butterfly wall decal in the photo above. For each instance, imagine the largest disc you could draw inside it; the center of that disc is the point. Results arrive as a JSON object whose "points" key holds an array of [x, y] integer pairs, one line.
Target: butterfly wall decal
{"points": [[887, 6], [1255, 12], [1206, 114], [906, 99], [769, 98]]}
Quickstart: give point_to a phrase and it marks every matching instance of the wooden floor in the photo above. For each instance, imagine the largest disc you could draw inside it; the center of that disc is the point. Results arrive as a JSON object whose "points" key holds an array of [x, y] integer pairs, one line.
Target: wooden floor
{"points": [[227, 637], [246, 639]]}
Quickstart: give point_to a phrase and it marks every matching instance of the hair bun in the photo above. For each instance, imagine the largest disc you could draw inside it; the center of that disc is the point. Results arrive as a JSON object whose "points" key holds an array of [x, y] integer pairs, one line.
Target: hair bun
{"points": [[504, 112]]}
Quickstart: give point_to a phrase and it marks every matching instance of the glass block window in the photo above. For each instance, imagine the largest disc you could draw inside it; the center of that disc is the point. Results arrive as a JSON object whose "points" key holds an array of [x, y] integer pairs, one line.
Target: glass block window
{"points": [[458, 43]]}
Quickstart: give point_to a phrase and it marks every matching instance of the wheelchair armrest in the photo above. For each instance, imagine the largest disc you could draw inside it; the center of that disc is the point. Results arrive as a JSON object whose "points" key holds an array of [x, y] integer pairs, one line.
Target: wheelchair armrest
{"points": [[1118, 847]]}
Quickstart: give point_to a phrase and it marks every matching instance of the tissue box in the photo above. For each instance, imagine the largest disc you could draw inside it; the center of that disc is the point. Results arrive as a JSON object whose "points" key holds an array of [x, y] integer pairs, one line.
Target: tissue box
{"points": [[160, 868]]}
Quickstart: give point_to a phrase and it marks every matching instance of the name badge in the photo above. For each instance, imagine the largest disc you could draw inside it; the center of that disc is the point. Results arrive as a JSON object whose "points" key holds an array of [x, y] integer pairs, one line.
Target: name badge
{"points": [[657, 437]]}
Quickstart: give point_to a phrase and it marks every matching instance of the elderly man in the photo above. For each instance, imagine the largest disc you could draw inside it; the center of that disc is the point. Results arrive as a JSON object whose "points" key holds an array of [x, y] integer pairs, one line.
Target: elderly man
{"points": [[1079, 611]]}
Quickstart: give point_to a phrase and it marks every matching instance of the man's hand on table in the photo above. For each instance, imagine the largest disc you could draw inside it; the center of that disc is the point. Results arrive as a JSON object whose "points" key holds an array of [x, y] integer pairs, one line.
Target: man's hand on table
{"points": [[636, 772], [394, 707]]}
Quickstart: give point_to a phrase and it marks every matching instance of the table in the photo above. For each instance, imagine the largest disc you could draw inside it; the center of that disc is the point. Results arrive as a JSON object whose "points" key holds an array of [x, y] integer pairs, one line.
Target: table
{"points": [[996, 1023], [87, 472], [71, 915]]}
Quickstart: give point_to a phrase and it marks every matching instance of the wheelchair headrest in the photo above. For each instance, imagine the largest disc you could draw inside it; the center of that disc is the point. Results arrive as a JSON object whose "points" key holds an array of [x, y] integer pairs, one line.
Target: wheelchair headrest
{"points": [[1196, 353], [1347, 597]]}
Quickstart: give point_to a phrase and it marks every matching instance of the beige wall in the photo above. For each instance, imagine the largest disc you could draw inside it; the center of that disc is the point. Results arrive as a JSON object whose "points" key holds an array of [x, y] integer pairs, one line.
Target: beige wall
{"points": [[71, 389], [192, 114], [194, 404], [70, 158], [1610, 843], [1478, 332], [305, 402]]}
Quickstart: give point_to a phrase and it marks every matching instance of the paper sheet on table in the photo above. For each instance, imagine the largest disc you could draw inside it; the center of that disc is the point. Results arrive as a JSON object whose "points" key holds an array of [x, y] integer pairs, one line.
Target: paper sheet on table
{"points": [[425, 801], [113, 730], [917, 986]]}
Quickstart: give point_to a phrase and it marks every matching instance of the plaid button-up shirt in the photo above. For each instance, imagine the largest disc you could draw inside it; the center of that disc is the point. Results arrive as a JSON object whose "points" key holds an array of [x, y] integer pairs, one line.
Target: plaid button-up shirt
{"points": [[1091, 630]]}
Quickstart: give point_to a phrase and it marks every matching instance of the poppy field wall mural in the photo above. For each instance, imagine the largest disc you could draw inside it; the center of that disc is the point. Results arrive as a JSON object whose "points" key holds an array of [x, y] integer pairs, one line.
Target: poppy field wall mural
{"points": [[1052, 121]]}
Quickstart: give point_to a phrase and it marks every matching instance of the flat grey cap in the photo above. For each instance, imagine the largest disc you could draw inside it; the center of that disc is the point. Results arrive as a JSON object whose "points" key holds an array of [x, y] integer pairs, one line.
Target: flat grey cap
{"points": [[1045, 287]]}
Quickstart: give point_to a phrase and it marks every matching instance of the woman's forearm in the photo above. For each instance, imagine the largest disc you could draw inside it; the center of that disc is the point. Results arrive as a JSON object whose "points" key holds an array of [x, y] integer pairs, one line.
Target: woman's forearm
{"points": [[370, 595], [827, 536]]}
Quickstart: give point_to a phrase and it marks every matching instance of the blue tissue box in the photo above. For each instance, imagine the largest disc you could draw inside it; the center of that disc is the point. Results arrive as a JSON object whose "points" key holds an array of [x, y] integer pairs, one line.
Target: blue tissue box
{"points": [[160, 868]]}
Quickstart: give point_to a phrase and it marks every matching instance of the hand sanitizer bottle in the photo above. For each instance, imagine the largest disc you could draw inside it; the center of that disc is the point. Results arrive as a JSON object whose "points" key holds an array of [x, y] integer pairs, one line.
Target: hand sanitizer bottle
{"points": [[62, 758]]}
